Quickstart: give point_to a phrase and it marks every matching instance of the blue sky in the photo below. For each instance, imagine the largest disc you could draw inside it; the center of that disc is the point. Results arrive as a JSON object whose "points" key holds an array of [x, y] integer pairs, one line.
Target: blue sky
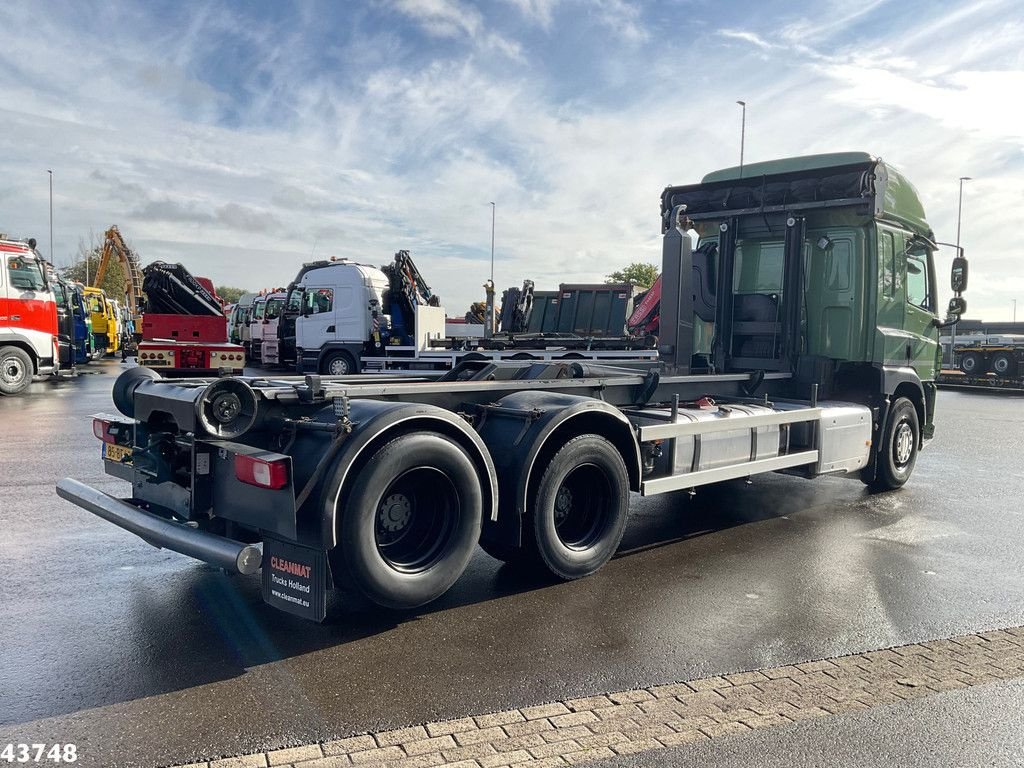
{"points": [[240, 138]]}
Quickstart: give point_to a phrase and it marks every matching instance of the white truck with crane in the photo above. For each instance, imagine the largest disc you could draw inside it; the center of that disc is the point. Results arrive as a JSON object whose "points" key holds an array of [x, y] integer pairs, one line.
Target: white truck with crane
{"points": [[342, 317], [816, 354]]}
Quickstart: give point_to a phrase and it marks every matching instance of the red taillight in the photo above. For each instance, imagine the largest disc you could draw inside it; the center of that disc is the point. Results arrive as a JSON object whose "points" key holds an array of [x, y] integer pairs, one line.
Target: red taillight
{"points": [[262, 473], [101, 428]]}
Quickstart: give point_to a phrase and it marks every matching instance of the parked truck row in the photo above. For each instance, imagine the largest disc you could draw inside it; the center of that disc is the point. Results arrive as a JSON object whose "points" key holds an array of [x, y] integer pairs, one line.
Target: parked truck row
{"points": [[338, 317], [50, 324], [799, 335]]}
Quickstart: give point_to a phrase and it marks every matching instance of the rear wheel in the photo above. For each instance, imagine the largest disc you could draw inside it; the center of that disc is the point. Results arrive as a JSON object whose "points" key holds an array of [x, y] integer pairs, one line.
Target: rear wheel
{"points": [[972, 363], [15, 370], [1002, 364], [580, 508], [898, 453], [411, 521]]}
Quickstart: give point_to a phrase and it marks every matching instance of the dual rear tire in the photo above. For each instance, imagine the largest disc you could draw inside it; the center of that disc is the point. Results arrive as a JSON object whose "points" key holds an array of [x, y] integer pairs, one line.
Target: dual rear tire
{"points": [[578, 511], [411, 521]]}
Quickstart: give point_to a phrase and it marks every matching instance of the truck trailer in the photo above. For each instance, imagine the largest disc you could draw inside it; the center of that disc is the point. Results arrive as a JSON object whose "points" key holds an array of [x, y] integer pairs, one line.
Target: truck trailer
{"points": [[811, 349]]}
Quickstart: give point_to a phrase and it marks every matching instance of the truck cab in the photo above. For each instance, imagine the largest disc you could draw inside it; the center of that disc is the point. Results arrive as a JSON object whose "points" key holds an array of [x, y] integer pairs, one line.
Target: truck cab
{"points": [[85, 348], [336, 309], [28, 317], [264, 322], [821, 267], [104, 321], [67, 341]]}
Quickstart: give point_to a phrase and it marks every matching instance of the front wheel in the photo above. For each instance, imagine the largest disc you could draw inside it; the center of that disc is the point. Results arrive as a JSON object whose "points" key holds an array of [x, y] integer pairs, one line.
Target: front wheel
{"points": [[338, 364], [897, 455], [580, 508], [411, 521], [15, 370]]}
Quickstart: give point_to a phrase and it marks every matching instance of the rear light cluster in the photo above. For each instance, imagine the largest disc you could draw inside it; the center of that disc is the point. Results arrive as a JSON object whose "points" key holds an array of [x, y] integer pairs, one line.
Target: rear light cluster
{"points": [[272, 474], [107, 430], [155, 356]]}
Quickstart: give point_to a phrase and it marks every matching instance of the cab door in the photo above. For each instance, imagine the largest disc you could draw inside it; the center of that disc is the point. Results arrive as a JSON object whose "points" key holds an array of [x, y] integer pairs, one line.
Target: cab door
{"points": [[891, 340], [65, 325], [319, 317], [920, 312]]}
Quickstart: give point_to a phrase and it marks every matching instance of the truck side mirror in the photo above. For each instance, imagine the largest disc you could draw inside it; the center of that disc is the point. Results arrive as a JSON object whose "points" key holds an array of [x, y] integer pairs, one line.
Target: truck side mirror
{"points": [[955, 310], [958, 275]]}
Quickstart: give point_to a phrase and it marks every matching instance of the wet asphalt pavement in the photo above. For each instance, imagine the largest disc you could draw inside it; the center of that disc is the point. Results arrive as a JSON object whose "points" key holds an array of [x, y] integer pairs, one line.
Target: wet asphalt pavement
{"points": [[143, 657]]}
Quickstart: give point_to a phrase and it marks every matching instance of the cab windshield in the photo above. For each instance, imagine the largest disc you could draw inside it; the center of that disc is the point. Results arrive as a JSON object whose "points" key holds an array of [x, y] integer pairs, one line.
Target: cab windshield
{"points": [[25, 273], [274, 308]]}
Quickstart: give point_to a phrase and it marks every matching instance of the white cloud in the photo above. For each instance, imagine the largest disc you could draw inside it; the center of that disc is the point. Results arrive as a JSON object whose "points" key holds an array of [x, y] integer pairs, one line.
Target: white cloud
{"points": [[454, 19], [377, 153], [540, 12]]}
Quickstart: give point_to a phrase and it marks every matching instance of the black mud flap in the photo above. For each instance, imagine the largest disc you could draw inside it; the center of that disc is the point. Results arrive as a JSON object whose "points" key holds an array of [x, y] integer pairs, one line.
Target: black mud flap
{"points": [[295, 579]]}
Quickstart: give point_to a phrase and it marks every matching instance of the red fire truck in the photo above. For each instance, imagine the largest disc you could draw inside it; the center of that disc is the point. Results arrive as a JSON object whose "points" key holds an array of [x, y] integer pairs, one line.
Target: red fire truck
{"points": [[28, 317]]}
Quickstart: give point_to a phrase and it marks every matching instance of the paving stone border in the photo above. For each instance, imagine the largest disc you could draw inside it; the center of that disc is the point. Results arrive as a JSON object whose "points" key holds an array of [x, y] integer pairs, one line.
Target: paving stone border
{"points": [[582, 730]]}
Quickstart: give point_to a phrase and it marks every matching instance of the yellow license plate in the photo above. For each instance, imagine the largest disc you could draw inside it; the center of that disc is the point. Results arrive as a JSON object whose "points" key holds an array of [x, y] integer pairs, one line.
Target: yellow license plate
{"points": [[116, 452]]}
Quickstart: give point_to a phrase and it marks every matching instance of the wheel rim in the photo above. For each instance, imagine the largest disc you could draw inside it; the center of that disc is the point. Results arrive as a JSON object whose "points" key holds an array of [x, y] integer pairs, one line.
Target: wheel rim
{"points": [[969, 363], [903, 445], [415, 519], [12, 371], [1001, 365], [338, 366], [582, 508]]}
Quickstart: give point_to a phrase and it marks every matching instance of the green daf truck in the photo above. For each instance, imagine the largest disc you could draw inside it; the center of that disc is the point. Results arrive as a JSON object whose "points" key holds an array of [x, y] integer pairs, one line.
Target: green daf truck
{"points": [[798, 334]]}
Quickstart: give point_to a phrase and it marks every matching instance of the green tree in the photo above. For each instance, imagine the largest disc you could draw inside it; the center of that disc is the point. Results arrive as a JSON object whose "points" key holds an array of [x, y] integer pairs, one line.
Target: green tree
{"points": [[88, 262], [229, 294], [636, 273]]}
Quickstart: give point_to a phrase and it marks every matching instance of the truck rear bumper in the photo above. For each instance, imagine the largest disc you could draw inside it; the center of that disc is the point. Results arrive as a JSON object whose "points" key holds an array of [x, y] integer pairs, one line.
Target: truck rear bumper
{"points": [[230, 555]]}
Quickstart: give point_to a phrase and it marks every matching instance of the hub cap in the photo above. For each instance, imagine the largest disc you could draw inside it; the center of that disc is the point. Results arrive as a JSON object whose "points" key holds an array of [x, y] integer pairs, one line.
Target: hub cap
{"points": [[11, 370], [903, 444], [339, 366], [416, 520], [582, 508], [395, 513]]}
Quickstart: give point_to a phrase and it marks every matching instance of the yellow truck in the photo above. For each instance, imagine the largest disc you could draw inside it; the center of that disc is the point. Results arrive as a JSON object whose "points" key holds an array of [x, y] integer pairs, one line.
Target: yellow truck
{"points": [[104, 321]]}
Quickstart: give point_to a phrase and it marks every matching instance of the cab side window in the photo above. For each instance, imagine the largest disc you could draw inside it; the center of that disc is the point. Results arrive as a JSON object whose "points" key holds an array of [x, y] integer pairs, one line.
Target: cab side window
{"points": [[320, 300], [24, 274], [918, 282], [887, 267]]}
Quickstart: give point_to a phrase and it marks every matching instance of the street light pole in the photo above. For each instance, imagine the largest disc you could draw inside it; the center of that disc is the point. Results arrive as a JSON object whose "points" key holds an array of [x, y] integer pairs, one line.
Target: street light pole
{"points": [[492, 242], [51, 215], [959, 211], [743, 133]]}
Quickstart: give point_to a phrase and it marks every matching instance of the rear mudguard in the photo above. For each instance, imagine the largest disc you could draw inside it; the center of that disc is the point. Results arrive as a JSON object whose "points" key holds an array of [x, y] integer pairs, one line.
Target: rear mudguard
{"points": [[376, 422], [524, 430]]}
